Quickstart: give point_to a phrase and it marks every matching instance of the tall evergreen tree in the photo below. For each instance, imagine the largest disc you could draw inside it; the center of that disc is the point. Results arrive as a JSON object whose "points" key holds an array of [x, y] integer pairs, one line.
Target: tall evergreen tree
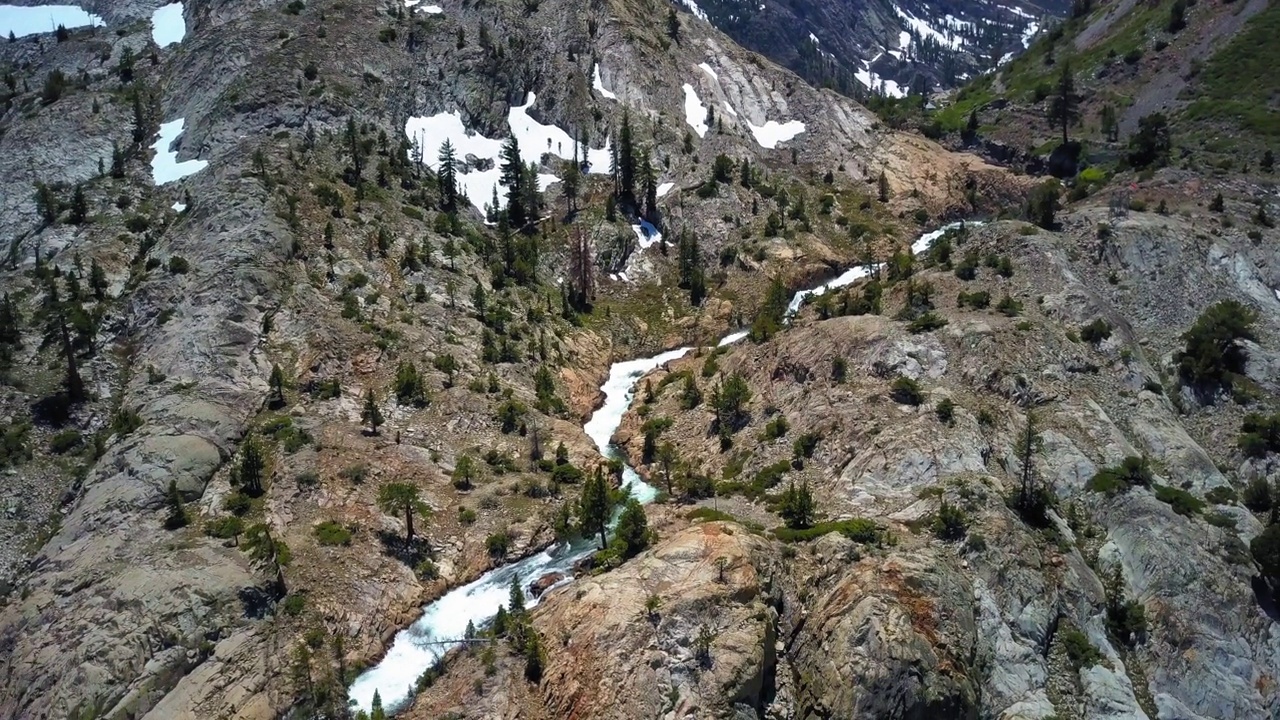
{"points": [[10, 323], [252, 466], [58, 318], [649, 183], [371, 413], [1064, 107], [397, 498], [276, 382], [593, 507], [513, 177], [627, 161], [447, 178]]}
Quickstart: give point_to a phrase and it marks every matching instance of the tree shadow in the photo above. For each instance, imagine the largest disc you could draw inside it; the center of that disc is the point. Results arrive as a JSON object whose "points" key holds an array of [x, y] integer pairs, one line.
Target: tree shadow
{"points": [[410, 554]]}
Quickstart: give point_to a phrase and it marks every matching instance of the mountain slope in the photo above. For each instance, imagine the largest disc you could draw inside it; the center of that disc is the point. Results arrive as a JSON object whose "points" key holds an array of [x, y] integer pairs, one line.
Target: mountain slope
{"points": [[881, 47], [312, 242]]}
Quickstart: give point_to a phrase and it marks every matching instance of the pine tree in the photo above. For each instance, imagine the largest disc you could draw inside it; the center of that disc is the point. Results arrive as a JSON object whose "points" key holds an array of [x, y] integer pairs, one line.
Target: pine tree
{"points": [[252, 466], [397, 498], [797, 506], [371, 414], [673, 24], [375, 708], [1268, 163], [513, 176], [47, 203], [97, 280], [626, 162], [447, 178], [516, 598], [747, 179], [79, 207], [10, 323], [58, 317], [883, 186], [277, 386], [572, 178], [1064, 107], [593, 507], [649, 184], [177, 517], [1110, 125]]}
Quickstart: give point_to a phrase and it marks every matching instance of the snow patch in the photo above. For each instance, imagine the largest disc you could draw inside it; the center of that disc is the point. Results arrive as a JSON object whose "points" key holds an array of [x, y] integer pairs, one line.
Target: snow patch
{"points": [[165, 167], [924, 29], [1029, 34], [598, 85], [23, 21], [773, 132], [709, 71], [646, 234], [814, 38], [695, 113], [693, 8], [664, 188], [535, 139], [429, 9], [167, 25], [179, 207], [873, 81]]}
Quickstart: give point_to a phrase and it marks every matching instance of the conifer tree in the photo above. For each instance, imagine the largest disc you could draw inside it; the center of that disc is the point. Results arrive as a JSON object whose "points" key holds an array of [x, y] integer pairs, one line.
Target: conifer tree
{"points": [[97, 280], [252, 466], [649, 184], [58, 316], [370, 413], [277, 385], [1064, 107], [177, 517], [10, 323], [593, 507], [447, 178], [79, 207], [626, 161], [513, 176], [399, 497]]}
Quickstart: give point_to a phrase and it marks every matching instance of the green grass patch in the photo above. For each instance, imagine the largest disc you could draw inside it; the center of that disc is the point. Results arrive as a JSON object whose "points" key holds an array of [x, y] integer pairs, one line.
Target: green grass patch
{"points": [[857, 529], [1183, 502], [1240, 84]]}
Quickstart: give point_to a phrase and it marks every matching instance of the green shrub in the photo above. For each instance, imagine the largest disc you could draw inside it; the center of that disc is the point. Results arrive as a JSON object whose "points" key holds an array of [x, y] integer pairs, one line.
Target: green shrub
{"points": [[498, 544], [1009, 307], [178, 265], [1131, 471], [1259, 435], [293, 605], [355, 473], [225, 527], [1265, 549], [906, 391], [1221, 495], [1212, 357], [978, 300], [1080, 651], [1096, 331], [237, 503], [945, 410], [857, 529], [1257, 495], [950, 523], [331, 532], [1183, 502], [927, 322], [66, 441], [775, 429]]}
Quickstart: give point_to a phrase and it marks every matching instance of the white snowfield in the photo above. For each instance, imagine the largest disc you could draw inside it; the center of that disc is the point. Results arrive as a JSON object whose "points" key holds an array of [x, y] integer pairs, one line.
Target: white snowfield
{"points": [[22, 21], [598, 85], [535, 139], [695, 113], [664, 188], [167, 25], [165, 167], [429, 9], [773, 132]]}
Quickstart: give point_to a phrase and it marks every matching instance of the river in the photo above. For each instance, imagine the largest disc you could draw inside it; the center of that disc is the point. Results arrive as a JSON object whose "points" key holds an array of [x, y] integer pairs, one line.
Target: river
{"points": [[446, 618]]}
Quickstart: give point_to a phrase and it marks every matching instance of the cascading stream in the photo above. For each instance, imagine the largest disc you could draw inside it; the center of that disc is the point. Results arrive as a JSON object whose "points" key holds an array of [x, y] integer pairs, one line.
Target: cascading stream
{"points": [[416, 648]]}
